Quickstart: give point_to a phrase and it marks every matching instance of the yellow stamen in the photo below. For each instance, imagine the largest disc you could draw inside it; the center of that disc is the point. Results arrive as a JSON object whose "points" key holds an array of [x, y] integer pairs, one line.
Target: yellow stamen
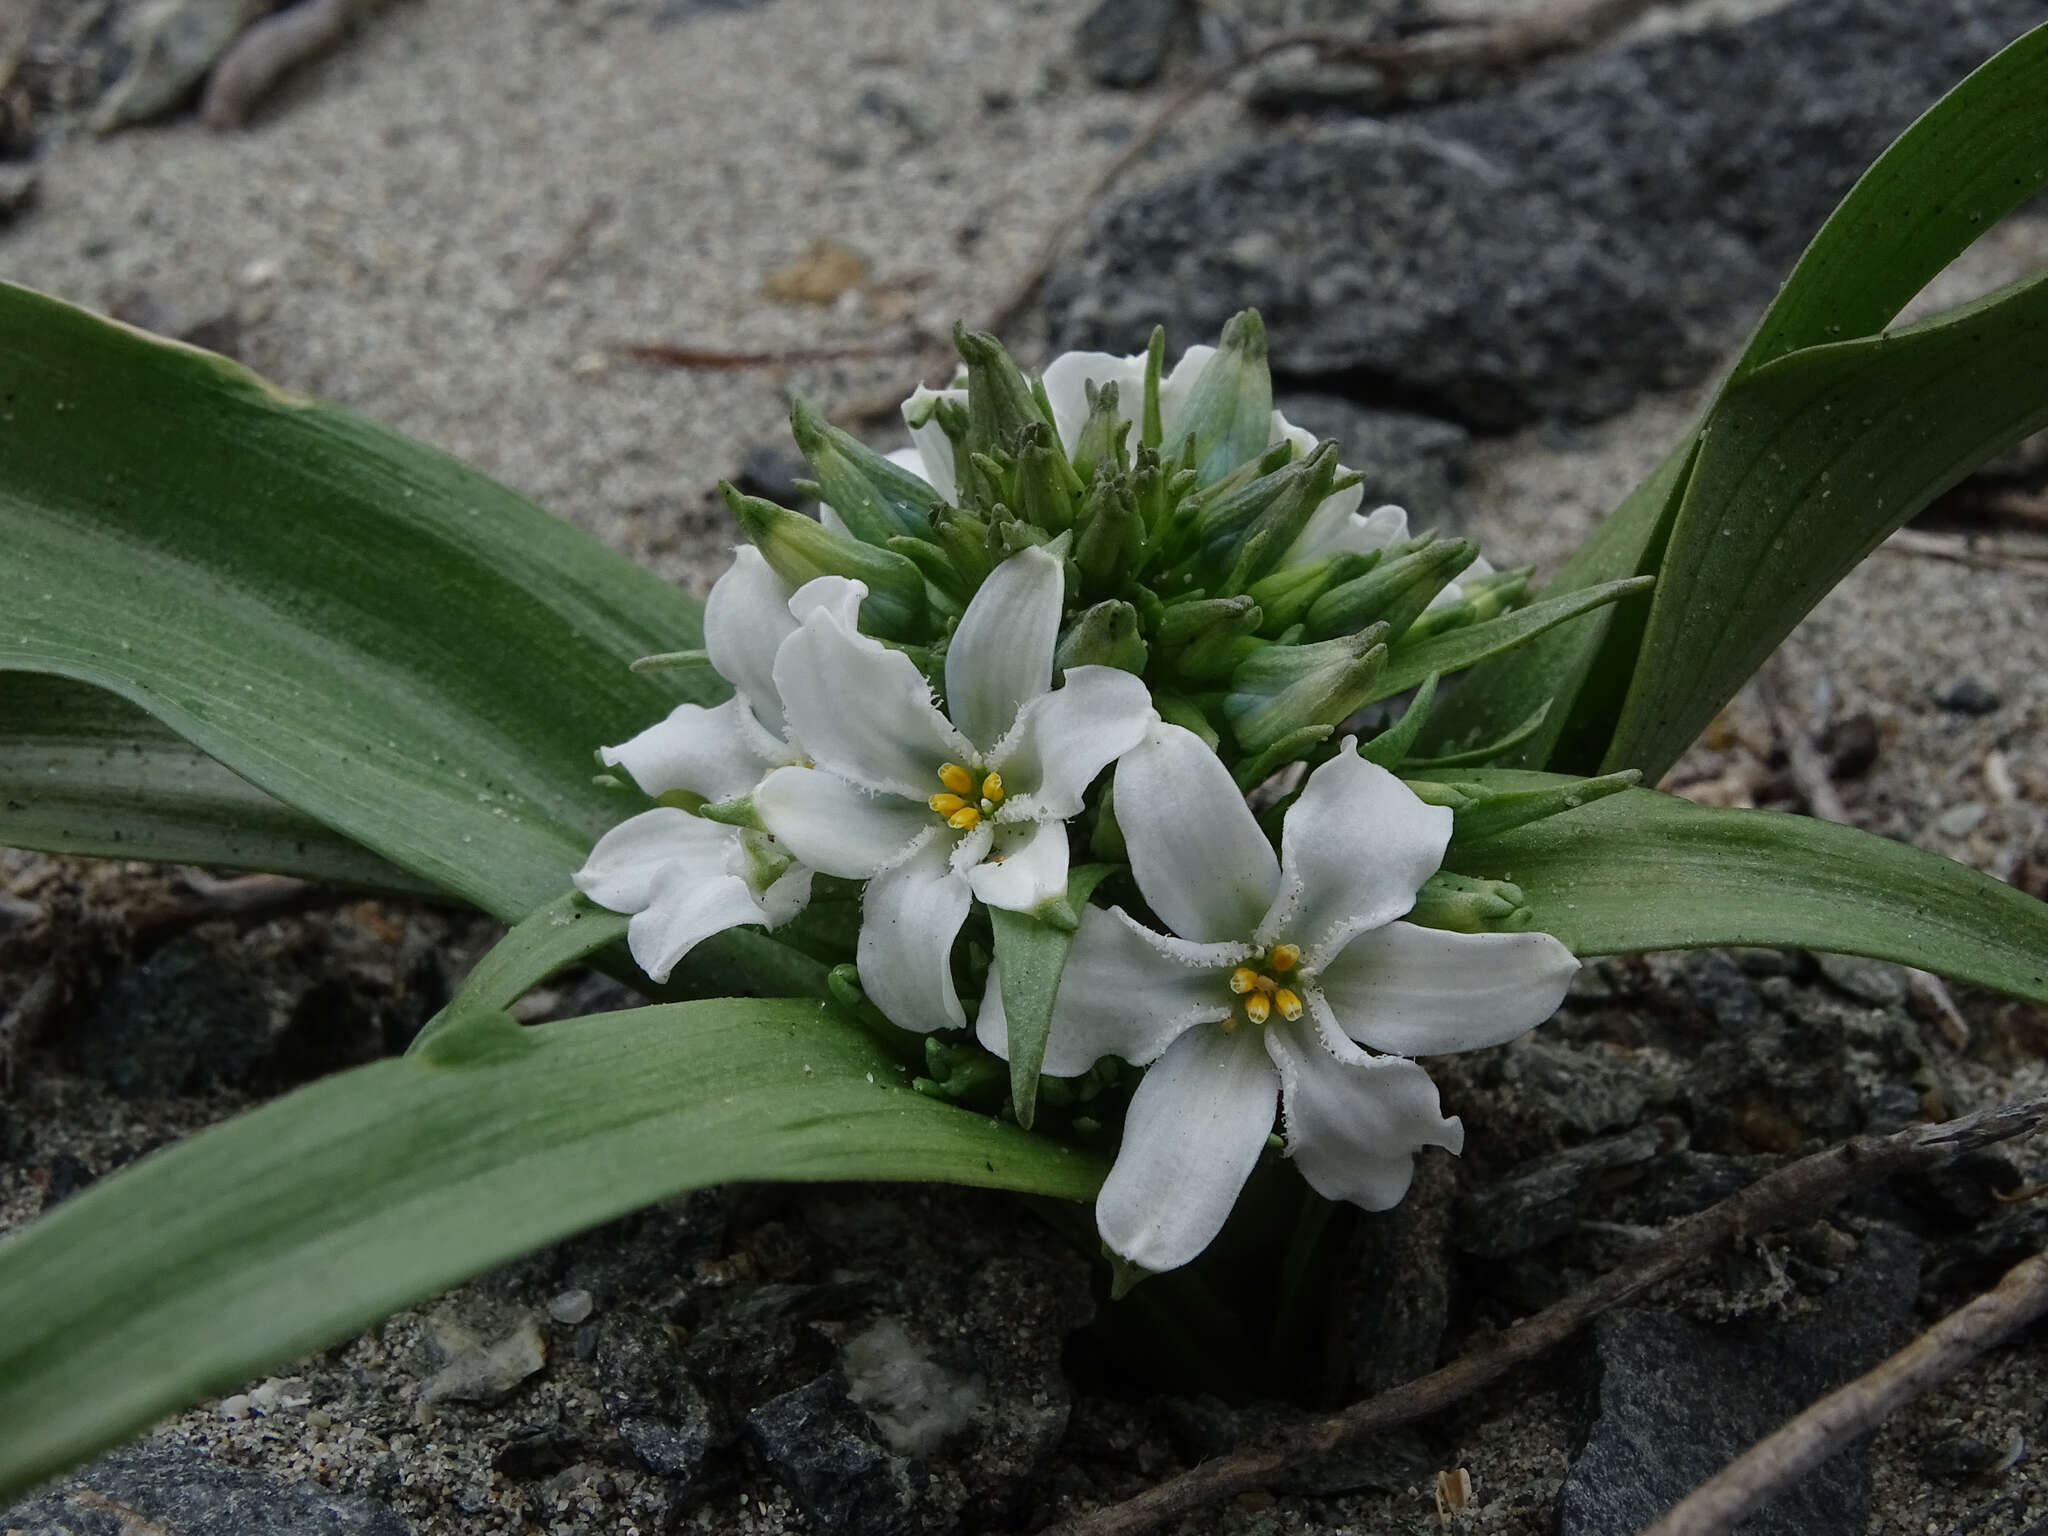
{"points": [[955, 778], [1243, 979], [945, 805], [992, 788], [1257, 1009], [964, 818], [1289, 1004], [1284, 957]]}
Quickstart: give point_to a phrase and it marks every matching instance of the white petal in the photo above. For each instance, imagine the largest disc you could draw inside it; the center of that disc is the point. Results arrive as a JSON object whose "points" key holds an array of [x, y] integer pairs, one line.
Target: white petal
{"points": [[1354, 850], [1199, 857], [1353, 1127], [909, 918], [1030, 871], [1126, 991], [1337, 528], [620, 873], [789, 895], [1063, 739], [863, 710], [829, 516], [1300, 439], [1423, 992], [909, 458], [971, 849], [838, 595], [1066, 379], [704, 751], [1000, 657], [838, 828], [746, 619], [934, 448], [1194, 1132], [1177, 385], [684, 910]]}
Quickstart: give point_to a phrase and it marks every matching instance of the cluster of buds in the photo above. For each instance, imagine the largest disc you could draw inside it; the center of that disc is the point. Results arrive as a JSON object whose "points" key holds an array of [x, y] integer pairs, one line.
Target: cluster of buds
{"points": [[1208, 546]]}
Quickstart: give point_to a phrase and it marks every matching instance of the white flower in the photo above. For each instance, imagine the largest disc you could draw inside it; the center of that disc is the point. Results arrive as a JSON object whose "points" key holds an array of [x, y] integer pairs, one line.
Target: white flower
{"points": [[932, 810], [1279, 973], [1336, 527], [683, 878]]}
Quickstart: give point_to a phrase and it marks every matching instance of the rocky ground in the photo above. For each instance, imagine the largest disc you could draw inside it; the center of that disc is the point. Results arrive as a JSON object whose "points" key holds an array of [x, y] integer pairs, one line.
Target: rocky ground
{"points": [[1506, 299]]}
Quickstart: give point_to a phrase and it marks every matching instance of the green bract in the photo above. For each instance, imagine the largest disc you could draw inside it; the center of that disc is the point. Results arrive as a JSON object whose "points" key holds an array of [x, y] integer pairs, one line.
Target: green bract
{"points": [[242, 628]]}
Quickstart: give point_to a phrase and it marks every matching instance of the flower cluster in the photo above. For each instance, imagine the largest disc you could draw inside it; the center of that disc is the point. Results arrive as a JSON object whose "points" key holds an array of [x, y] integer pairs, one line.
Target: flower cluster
{"points": [[1042, 655]]}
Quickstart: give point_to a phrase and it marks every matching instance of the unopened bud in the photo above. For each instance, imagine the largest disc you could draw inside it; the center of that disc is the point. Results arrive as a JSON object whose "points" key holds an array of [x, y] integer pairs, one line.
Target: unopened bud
{"points": [[1288, 593], [799, 550], [1103, 636], [1467, 904], [1280, 689], [876, 499], [1229, 412], [1395, 592]]}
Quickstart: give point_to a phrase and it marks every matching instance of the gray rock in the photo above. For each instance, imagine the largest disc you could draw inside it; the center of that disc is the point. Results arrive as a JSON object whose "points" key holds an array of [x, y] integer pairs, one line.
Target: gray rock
{"points": [[19, 189], [1672, 1400], [176, 42], [823, 1447], [1724, 989], [1416, 462], [477, 1372], [1588, 1090], [771, 472], [1401, 1298], [1877, 982], [177, 1023], [916, 1401], [657, 1408], [1607, 226], [177, 1490], [1544, 1200], [1124, 43], [1967, 696]]}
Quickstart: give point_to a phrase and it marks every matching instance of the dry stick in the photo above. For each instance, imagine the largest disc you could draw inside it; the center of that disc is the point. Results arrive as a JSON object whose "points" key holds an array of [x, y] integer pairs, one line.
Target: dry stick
{"points": [[268, 51], [1809, 768], [1500, 46], [1866, 1402], [1796, 1192]]}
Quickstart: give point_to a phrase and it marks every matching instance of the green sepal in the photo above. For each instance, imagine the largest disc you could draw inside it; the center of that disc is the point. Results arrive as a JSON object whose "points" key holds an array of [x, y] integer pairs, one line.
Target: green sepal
{"points": [[1393, 744], [799, 550], [1124, 1276], [1281, 688], [1284, 518], [1151, 433], [1395, 592], [877, 500], [939, 571], [1178, 709], [1000, 401], [1287, 594], [1229, 412], [1469, 904], [1295, 744], [1031, 955], [1111, 542], [1100, 448], [1045, 494], [964, 538], [1487, 598], [1105, 635], [702, 677], [736, 812]]}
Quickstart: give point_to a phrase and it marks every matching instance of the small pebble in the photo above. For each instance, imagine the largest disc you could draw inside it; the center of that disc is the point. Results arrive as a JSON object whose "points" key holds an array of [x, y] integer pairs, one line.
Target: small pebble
{"points": [[1967, 696], [571, 1307], [235, 1408], [1960, 820]]}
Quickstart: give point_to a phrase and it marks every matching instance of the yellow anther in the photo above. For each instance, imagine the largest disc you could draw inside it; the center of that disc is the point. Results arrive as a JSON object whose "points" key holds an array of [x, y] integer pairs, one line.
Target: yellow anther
{"points": [[1257, 1009], [1243, 979], [955, 778], [945, 805], [964, 818], [1289, 1004], [1284, 957], [992, 788]]}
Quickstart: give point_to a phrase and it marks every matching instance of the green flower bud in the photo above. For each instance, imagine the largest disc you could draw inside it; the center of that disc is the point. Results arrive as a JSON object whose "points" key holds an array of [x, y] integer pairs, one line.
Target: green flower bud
{"points": [[965, 1074], [1466, 904], [1221, 644], [1487, 814], [1100, 449], [1104, 636], [1043, 495], [1281, 521], [1000, 403], [1395, 592], [1151, 432], [799, 550], [964, 538], [874, 498], [1487, 598], [1281, 688], [1223, 513], [1229, 412], [736, 812], [1288, 593], [1111, 544], [944, 577], [1181, 622]]}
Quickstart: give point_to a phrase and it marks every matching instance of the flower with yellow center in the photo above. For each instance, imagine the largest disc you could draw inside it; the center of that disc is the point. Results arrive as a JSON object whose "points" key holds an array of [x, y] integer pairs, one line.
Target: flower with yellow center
{"points": [[938, 808], [1290, 978]]}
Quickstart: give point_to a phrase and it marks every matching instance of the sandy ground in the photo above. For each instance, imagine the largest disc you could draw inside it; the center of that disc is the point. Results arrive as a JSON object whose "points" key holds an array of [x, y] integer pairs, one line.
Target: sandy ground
{"points": [[446, 225]]}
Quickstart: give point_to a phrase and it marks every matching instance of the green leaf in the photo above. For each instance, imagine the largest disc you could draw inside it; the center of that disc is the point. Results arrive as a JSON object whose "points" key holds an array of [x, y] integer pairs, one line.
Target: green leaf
{"points": [[297, 1224], [1408, 665], [1643, 870], [1807, 465], [552, 938], [1398, 739], [1472, 757], [1030, 957], [82, 771], [357, 625]]}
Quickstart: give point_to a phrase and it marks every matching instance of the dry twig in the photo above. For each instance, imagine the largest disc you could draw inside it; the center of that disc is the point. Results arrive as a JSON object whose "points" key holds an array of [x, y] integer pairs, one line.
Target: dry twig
{"points": [[1816, 1434], [1797, 1192], [714, 359], [267, 51], [1803, 757]]}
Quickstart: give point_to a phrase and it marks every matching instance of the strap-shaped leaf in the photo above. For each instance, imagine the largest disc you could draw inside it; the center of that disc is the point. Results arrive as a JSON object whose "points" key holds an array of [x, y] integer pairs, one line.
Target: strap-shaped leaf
{"points": [[1032, 956], [1643, 870], [367, 630], [296, 1224], [1808, 465], [82, 771], [1458, 648]]}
